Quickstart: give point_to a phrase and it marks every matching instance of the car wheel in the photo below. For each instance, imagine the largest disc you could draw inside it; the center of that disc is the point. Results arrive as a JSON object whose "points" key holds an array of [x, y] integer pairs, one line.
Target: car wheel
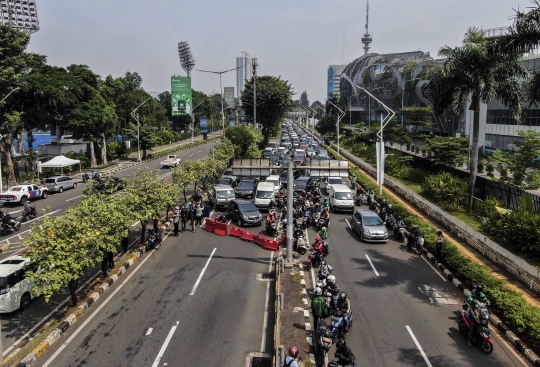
{"points": [[241, 222], [61, 190], [25, 301], [362, 238], [74, 184], [45, 194], [24, 201]]}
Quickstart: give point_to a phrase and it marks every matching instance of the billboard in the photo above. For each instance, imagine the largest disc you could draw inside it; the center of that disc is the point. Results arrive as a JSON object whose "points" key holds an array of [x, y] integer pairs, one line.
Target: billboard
{"points": [[203, 122], [229, 97], [181, 95]]}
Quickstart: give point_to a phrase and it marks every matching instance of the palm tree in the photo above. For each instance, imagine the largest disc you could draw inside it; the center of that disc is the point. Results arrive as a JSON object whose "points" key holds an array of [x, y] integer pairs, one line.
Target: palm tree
{"points": [[475, 73], [521, 37]]}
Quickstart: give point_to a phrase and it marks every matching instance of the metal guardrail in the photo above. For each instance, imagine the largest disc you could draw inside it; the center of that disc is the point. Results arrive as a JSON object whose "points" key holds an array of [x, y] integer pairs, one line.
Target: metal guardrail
{"points": [[526, 273]]}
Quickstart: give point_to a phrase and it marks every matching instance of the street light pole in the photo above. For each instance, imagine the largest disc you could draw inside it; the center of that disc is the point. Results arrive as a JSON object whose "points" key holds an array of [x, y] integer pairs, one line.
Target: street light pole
{"points": [[339, 117], [221, 91], [136, 117]]}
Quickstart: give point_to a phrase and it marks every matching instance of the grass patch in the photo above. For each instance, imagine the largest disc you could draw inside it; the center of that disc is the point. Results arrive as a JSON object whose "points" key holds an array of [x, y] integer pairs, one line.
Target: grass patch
{"points": [[472, 220], [414, 186], [296, 277]]}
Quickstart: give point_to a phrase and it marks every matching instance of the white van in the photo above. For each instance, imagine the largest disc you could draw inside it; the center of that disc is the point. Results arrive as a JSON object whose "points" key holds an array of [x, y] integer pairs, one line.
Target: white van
{"points": [[264, 195], [341, 198], [274, 179], [15, 289]]}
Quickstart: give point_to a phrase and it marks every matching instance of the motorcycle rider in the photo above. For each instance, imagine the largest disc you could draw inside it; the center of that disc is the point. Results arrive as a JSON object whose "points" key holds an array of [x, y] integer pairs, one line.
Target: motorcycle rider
{"points": [[270, 218], [476, 294], [323, 233], [383, 205], [325, 204], [290, 360], [413, 235], [390, 211], [343, 353], [8, 221], [324, 270], [326, 216], [318, 306], [344, 305], [333, 288]]}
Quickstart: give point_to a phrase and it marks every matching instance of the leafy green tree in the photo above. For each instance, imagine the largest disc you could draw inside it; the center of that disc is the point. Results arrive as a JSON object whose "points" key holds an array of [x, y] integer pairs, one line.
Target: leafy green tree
{"points": [[448, 150], [13, 124], [244, 140], [417, 116], [164, 99], [274, 100], [326, 125], [525, 157], [473, 73], [304, 101], [148, 135]]}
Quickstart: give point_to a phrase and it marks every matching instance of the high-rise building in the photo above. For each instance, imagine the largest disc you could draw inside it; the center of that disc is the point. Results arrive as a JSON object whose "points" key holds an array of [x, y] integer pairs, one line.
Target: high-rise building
{"points": [[20, 14], [244, 72], [228, 96], [334, 77]]}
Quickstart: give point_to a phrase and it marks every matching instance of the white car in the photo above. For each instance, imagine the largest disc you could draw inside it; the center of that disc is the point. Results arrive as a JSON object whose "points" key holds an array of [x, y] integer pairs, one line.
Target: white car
{"points": [[171, 161], [330, 181], [22, 193], [15, 288]]}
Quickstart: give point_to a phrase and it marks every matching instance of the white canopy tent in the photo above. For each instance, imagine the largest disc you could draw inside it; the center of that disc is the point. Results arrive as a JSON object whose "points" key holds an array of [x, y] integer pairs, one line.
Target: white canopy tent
{"points": [[59, 162]]}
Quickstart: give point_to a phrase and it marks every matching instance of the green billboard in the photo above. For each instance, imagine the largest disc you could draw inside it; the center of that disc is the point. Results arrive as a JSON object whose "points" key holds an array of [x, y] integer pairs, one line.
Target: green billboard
{"points": [[181, 95]]}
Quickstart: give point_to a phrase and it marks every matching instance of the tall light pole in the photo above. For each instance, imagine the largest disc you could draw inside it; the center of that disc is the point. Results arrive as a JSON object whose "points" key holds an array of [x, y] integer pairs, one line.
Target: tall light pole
{"points": [[339, 117], [136, 117], [254, 65], [403, 96], [221, 90], [380, 144], [1, 182], [193, 121]]}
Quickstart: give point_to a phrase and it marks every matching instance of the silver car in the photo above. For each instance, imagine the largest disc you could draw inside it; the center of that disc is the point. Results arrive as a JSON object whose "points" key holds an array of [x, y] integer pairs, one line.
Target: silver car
{"points": [[369, 226], [60, 183]]}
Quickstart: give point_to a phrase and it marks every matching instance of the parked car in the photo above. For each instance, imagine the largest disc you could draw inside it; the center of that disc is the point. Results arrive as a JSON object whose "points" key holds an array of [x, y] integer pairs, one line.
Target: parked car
{"points": [[244, 212], [369, 226], [245, 189], [22, 193], [220, 195], [15, 288], [60, 183]]}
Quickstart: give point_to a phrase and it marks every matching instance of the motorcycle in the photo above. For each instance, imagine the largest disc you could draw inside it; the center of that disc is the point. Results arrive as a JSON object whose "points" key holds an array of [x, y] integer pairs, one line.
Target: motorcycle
{"points": [[399, 233], [313, 259], [271, 229], [221, 217], [30, 214], [359, 199], [382, 214], [373, 206], [324, 337], [338, 324], [305, 221], [390, 221], [371, 198], [416, 245], [280, 202], [85, 177], [10, 227], [326, 248], [153, 242], [482, 334]]}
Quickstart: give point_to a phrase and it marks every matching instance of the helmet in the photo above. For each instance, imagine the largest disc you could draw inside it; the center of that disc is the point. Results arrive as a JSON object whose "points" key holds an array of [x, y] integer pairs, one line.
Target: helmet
{"points": [[317, 239], [439, 233], [389, 206], [341, 343], [384, 201], [293, 351], [323, 228], [318, 291], [415, 227], [177, 207], [272, 211], [325, 200], [342, 295], [316, 204], [323, 263], [398, 217], [479, 288], [331, 278]]}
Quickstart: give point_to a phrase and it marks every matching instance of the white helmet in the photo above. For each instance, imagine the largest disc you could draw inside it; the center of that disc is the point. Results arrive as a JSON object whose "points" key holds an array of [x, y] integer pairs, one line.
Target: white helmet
{"points": [[331, 278], [318, 291]]}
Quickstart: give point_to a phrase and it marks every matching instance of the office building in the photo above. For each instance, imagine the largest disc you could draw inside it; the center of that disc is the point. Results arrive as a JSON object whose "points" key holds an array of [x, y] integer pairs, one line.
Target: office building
{"points": [[334, 77], [244, 72]]}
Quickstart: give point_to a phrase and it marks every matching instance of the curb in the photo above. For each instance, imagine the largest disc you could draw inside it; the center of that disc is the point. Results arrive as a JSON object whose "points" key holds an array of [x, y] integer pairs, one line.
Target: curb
{"points": [[31, 358], [518, 344], [307, 320]]}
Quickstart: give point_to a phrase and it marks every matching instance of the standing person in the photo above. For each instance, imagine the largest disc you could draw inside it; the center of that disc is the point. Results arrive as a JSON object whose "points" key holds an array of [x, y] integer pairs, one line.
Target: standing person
{"points": [[104, 264], [110, 258], [318, 307], [440, 241], [290, 360], [199, 213], [184, 214], [192, 215], [125, 239], [176, 220]]}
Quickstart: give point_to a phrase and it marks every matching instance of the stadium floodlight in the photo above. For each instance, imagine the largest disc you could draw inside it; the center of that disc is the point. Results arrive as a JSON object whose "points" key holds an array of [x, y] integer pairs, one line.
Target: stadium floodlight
{"points": [[20, 14], [186, 58]]}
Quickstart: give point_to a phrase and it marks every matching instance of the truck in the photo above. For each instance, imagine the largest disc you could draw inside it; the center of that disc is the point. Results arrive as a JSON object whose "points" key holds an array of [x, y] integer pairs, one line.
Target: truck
{"points": [[171, 161], [22, 193]]}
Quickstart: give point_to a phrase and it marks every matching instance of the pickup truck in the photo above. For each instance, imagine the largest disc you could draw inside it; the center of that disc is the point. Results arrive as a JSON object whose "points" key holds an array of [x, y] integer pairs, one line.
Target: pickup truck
{"points": [[171, 161], [22, 193]]}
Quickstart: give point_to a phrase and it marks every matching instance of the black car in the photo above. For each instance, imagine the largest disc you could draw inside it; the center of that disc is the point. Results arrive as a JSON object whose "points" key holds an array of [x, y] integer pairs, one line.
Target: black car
{"points": [[244, 212], [301, 183], [275, 160], [283, 176], [245, 189]]}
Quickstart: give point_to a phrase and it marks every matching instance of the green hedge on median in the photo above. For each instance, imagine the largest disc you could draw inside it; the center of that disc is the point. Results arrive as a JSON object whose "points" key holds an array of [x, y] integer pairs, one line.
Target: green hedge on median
{"points": [[521, 316]]}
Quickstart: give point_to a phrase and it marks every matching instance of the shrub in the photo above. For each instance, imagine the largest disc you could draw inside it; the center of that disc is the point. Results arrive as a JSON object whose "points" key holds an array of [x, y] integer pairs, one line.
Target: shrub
{"points": [[85, 162], [446, 190], [490, 168], [480, 166], [417, 150], [116, 149]]}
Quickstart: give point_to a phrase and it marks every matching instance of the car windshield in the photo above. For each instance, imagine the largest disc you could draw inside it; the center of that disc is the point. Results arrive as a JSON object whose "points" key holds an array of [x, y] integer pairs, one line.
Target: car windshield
{"points": [[246, 185], [299, 157], [228, 172], [248, 207], [372, 221], [283, 175], [273, 182], [343, 196], [225, 194], [323, 153], [335, 181], [264, 194], [224, 181]]}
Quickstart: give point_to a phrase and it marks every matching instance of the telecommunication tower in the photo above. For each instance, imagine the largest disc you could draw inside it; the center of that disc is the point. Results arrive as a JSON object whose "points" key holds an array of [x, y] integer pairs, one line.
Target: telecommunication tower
{"points": [[366, 40]]}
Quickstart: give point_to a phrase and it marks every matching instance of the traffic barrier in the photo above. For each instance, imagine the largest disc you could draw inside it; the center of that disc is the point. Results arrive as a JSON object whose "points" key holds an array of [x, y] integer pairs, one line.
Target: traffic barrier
{"points": [[271, 245], [260, 240], [221, 229], [248, 236], [236, 232], [210, 224]]}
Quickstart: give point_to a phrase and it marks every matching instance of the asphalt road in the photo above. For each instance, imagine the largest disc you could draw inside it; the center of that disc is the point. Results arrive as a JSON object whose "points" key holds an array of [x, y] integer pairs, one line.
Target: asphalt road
{"points": [[17, 324], [180, 308], [398, 293]]}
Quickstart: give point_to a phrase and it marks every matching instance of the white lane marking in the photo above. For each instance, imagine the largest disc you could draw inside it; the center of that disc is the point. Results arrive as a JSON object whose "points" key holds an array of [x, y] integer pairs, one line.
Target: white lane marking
{"points": [[165, 344], [149, 331], [18, 211], [74, 335], [313, 278], [202, 273], [418, 346], [199, 151], [432, 267], [76, 197], [190, 155], [375, 270], [349, 224], [50, 213], [265, 319], [134, 224]]}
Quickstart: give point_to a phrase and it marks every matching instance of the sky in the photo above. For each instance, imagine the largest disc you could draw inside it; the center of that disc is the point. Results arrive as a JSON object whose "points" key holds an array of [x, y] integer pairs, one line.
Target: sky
{"points": [[294, 39]]}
